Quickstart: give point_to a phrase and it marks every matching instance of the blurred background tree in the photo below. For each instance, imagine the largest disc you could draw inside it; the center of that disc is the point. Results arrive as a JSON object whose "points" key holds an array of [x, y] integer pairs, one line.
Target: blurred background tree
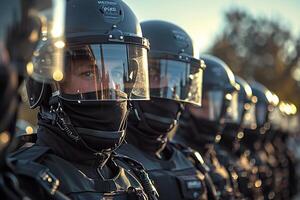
{"points": [[262, 49]]}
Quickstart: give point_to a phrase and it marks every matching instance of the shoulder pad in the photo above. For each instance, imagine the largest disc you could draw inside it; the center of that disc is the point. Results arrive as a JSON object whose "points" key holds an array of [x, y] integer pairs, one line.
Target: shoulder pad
{"points": [[192, 154], [32, 153], [130, 161], [24, 164]]}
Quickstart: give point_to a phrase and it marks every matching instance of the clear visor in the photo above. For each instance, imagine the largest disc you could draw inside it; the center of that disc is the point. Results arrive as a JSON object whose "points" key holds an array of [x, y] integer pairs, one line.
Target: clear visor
{"points": [[48, 58], [231, 107], [249, 118], [211, 108], [105, 72], [175, 80], [261, 114]]}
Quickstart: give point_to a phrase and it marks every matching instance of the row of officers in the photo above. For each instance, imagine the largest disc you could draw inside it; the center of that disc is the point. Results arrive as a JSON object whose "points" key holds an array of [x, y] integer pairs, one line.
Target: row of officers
{"points": [[127, 111]]}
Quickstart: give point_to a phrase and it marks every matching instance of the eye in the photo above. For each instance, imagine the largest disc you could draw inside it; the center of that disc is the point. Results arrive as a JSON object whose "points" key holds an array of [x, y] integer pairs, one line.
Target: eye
{"points": [[88, 74]]}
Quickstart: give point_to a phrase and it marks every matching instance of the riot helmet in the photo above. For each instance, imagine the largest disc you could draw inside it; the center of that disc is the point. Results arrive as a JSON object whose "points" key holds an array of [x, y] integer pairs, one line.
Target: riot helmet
{"points": [[22, 26], [105, 66], [174, 72], [220, 93], [233, 131], [219, 102], [263, 107], [175, 75], [246, 105], [265, 104]]}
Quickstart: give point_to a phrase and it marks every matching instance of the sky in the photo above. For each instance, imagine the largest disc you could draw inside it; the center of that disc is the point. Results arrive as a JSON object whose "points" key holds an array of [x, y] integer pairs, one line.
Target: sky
{"points": [[204, 20]]}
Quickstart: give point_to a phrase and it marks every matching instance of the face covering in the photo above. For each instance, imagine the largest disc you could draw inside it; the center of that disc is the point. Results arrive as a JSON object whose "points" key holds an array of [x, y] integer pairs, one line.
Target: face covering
{"points": [[161, 115], [103, 116], [101, 125], [206, 129], [151, 122]]}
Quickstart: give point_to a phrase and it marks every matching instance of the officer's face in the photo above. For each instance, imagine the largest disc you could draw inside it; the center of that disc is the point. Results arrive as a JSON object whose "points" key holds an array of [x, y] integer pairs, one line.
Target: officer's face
{"points": [[80, 77], [85, 76], [155, 79]]}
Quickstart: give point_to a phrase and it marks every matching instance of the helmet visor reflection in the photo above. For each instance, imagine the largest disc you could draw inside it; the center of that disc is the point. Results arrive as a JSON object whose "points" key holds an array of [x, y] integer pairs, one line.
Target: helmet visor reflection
{"points": [[105, 72], [176, 80]]}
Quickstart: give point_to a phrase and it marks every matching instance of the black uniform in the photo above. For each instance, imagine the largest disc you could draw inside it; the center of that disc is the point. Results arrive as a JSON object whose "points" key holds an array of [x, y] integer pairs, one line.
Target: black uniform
{"points": [[257, 159], [82, 118], [17, 46], [175, 177], [82, 175], [220, 176], [174, 73], [247, 180]]}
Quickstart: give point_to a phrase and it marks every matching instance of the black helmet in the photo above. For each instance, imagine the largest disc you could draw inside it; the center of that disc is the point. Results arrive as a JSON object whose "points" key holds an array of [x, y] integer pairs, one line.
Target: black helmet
{"points": [[233, 131], [220, 92], [264, 105], [246, 105], [105, 63], [219, 102], [108, 36], [174, 72], [22, 25]]}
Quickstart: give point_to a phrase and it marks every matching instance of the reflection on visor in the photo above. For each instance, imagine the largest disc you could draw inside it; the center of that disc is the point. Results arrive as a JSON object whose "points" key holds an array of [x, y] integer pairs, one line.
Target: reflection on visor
{"points": [[231, 106], [175, 80], [105, 72], [48, 57], [212, 102]]}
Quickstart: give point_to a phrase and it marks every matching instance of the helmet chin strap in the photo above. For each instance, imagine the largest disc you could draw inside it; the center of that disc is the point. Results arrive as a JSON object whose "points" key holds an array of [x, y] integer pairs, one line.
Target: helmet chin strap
{"points": [[58, 116]]}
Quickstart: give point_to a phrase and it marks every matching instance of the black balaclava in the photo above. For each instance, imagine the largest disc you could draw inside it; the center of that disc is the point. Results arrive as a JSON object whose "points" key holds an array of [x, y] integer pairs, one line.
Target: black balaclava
{"points": [[151, 122], [197, 132], [99, 125]]}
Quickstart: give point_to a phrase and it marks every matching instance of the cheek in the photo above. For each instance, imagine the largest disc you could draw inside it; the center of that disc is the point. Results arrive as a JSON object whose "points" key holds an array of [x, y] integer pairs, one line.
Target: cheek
{"points": [[74, 84]]}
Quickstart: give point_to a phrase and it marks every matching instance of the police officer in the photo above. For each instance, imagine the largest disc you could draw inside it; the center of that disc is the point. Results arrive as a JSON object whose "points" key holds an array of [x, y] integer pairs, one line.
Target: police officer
{"points": [[252, 142], [201, 127], [83, 113], [277, 159], [175, 77], [282, 126], [229, 144], [20, 25]]}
